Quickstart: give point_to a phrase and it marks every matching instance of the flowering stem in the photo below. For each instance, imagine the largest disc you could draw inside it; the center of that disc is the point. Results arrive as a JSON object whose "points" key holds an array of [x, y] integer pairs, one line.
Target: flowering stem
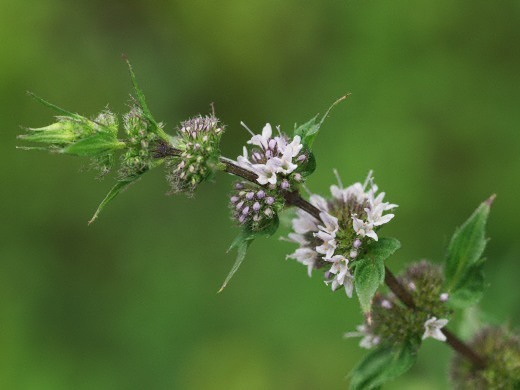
{"points": [[293, 198]]}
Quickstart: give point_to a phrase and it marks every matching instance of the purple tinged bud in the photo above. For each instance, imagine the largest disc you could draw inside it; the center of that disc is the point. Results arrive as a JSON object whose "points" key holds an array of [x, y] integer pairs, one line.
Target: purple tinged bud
{"points": [[357, 243], [242, 219], [260, 194], [239, 186], [444, 297], [256, 206], [269, 200], [239, 206], [412, 286], [298, 177], [301, 158], [285, 185], [250, 195], [234, 199], [246, 210], [269, 212]]}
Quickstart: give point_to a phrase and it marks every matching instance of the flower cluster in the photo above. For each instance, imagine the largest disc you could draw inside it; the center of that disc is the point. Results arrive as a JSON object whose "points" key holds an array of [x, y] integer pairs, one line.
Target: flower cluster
{"points": [[393, 323], [502, 347], [139, 156], [274, 159], [253, 206], [348, 222], [198, 142]]}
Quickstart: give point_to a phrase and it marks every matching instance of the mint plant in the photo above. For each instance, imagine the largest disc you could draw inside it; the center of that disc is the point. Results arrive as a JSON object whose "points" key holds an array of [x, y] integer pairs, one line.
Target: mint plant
{"points": [[338, 236]]}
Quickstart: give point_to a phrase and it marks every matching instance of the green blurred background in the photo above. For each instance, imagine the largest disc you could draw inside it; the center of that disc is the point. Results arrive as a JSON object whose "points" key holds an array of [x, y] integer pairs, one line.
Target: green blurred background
{"points": [[130, 302]]}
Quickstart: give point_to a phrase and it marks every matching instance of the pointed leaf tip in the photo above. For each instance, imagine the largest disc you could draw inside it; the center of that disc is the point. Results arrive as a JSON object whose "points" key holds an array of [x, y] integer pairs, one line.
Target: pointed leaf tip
{"points": [[491, 200]]}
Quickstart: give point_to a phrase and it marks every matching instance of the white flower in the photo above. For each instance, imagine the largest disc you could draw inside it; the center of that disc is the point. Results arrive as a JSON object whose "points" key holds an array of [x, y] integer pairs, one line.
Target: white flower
{"points": [[342, 275], [297, 238], [364, 228], [433, 328], [329, 244], [262, 140], [266, 172], [368, 341], [327, 234], [306, 256], [243, 160], [330, 222], [319, 202], [284, 164], [304, 223]]}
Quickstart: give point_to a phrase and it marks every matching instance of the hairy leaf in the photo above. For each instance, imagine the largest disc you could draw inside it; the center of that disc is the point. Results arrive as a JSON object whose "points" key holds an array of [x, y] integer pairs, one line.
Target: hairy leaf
{"points": [[370, 271], [464, 278], [382, 365], [368, 276]]}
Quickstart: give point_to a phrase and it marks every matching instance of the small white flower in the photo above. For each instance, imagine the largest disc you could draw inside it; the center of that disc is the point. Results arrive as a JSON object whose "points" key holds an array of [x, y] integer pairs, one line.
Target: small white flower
{"points": [[266, 172], [368, 340], [263, 139], [284, 164], [306, 256], [243, 160], [319, 202], [327, 234], [329, 244], [364, 228], [297, 238], [330, 222], [342, 275], [444, 297], [304, 223], [433, 328]]}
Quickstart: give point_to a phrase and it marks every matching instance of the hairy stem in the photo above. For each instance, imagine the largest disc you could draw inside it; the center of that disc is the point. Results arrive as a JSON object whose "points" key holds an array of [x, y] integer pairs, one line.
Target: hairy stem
{"points": [[293, 198]]}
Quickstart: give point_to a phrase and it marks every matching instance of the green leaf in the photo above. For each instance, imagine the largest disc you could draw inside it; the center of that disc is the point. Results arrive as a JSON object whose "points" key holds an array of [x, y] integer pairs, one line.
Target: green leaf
{"points": [[95, 145], [309, 130], [370, 270], [464, 277], [368, 277], [242, 242], [470, 289], [114, 191], [309, 166], [382, 365]]}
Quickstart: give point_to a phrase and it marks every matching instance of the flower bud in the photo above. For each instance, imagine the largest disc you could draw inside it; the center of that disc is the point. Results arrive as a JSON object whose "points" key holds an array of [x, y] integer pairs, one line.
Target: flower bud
{"points": [[198, 141], [252, 208]]}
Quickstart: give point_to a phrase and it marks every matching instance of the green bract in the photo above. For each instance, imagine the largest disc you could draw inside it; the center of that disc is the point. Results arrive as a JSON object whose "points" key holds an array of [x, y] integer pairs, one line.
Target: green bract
{"points": [[76, 135]]}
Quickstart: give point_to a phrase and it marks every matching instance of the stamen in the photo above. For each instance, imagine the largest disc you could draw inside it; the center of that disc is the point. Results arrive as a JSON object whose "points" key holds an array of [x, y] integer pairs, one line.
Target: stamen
{"points": [[247, 128], [368, 180], [338, 178]]}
